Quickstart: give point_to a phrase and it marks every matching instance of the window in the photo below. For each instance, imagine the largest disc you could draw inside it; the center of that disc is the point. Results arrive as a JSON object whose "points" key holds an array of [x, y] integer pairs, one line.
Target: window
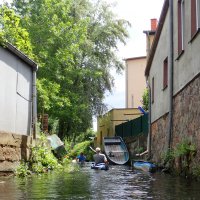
{"points": [[195, 17], [165, 73], [152, 91], [181, 25]]}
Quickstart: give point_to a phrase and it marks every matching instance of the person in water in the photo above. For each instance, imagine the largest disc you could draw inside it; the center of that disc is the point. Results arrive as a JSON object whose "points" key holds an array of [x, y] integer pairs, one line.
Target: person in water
{"points": [[99, 157], [81, 158]]}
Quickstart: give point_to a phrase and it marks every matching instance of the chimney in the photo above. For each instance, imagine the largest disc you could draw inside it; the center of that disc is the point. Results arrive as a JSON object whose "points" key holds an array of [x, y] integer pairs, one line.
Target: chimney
{"points": [[154, 23]]}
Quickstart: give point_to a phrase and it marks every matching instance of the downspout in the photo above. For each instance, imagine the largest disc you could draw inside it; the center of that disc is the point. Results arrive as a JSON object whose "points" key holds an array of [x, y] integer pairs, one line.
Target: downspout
{"points": [[34, 105], [171, 63], [149, 125], [149, 105], [149, 121], [126, 84]]}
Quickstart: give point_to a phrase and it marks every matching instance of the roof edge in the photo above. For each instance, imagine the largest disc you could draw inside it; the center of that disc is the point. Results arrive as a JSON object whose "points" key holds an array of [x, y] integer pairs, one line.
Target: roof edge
{"points": [[135, 58], [21, 55]]}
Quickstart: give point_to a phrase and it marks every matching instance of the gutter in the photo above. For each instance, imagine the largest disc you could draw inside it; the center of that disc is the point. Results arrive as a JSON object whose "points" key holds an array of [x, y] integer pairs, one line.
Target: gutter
{"points": [[25, 58]]}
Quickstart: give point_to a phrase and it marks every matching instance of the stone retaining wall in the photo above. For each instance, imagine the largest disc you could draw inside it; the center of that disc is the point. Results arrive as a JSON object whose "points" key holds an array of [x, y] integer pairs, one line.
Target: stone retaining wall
{"points": [[159, 138], [186, 123], [134, 144], [186, 126], [13, 148]]}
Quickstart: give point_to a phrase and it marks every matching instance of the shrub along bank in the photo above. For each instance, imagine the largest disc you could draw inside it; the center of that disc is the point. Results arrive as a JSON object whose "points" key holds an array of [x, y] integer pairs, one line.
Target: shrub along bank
{"points": [[43, 160]]}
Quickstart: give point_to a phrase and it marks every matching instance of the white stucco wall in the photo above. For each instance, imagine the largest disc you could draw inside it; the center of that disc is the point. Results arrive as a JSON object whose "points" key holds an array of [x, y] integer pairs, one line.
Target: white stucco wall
{"points": [[15, 94], [161, 97], [188, 65]]}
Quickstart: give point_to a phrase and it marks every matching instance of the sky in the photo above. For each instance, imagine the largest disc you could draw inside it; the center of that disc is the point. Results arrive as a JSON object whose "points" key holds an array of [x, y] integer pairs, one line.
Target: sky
{"points": [[138, 13]]}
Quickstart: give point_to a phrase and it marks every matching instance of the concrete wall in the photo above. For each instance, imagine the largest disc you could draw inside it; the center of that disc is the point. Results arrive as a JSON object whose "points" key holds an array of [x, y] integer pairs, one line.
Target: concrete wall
{"points": [[15, 95], [135, 81]]}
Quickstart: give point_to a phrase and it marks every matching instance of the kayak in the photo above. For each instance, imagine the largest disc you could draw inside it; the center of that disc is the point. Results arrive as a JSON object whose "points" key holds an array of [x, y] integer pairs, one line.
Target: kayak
{"points": [[144, 166], [101, 166]]}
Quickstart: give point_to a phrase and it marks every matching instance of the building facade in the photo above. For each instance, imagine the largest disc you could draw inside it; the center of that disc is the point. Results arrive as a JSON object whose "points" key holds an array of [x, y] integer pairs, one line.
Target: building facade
{"points": [[17, 106], [173, 73], [135, 81], [106, 123]]}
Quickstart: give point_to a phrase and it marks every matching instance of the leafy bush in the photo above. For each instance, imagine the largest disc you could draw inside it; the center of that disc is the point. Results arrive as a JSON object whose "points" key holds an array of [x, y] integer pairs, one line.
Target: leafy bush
{"points": [[82, 147], [22, 170], [43, 157]]}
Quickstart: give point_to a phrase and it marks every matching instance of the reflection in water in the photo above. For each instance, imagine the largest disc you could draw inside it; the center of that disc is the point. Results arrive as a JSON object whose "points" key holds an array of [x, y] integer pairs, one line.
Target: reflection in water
{"points": [[119, 182]]}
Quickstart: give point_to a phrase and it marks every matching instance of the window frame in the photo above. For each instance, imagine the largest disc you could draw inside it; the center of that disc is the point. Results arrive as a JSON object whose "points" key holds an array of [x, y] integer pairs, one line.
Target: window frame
{"points": [[181, 26], [195, 17], [165, 73]]}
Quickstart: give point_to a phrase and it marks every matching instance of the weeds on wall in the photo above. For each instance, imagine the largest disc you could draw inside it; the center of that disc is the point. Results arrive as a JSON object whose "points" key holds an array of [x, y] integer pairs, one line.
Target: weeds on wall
{"points": [[181, 156], [42, 160]]}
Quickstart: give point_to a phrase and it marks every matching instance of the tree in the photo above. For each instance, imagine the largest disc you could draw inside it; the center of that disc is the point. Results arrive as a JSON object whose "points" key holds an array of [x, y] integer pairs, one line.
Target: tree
{"points": [[75, 42], [145, 100], [11, 31]]}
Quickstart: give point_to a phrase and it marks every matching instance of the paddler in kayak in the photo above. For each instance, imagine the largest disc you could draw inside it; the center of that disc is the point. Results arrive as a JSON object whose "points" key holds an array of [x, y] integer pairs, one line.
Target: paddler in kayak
{"points": [[99, 157]]}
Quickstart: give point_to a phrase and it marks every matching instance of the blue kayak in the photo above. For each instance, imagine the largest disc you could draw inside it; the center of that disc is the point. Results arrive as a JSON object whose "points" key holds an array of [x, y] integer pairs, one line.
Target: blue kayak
{"points": [[144, 166], [101, 166]]}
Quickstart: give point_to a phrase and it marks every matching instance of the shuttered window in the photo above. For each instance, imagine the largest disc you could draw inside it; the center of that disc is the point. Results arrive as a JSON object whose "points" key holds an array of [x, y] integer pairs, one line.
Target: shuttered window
{"points": [[195, 16], [181, 25], [165, 73]]}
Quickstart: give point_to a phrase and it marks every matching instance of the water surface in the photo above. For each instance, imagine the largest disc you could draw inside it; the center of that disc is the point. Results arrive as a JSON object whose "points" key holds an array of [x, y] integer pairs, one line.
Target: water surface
{"points": [[119, 182]]}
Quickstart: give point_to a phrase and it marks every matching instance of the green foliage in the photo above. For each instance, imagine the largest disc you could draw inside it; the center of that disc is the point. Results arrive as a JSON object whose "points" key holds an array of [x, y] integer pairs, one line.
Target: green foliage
{"points": [[42, 158], [75, 43], [82, 147], [184, 152], [139, 150], [185, 148], [168, 157], [196, 171], [22, 170], [11, 31], [85, 136], [145, 100]]}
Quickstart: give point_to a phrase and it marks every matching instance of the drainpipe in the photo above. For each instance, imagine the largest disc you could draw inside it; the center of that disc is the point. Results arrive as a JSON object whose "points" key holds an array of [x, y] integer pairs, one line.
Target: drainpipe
{"points": [[34, 105], [149, 121], [171, 58]]}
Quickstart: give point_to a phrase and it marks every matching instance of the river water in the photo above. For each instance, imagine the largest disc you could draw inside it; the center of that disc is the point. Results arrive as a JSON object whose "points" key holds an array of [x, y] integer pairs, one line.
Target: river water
{"points": [[119, 182]]}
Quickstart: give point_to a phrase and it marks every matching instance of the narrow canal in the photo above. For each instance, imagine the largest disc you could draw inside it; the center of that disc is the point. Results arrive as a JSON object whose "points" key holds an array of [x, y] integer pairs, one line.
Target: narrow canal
{"points": [[119, 182]]}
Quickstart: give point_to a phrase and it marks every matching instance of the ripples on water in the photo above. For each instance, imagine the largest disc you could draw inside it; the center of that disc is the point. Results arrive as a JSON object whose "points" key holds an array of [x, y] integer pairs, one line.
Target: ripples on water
{"points": [[119, 182]]}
